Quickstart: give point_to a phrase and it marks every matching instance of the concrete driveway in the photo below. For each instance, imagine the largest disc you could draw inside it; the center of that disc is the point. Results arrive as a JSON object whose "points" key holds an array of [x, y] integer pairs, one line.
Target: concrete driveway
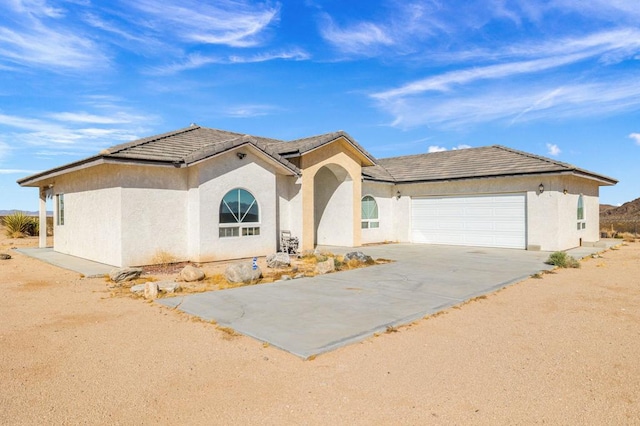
{"points": [[310, 316]]}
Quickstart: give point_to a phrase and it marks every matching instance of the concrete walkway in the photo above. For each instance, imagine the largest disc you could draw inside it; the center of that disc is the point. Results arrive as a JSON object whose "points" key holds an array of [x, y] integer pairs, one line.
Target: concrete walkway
{"points": [[85, 267], [310, 316]]}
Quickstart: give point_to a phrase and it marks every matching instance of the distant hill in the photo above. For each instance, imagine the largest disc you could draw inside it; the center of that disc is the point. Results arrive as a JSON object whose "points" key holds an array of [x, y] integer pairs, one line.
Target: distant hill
{"points": [[605, 207], [10, 212], [629, 210]]}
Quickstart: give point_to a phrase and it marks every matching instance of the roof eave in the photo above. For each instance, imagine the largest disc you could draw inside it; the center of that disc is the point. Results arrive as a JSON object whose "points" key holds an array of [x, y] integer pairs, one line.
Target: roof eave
{"points": [[370, 161], [288, 167], [32, 180], [604, 180]]}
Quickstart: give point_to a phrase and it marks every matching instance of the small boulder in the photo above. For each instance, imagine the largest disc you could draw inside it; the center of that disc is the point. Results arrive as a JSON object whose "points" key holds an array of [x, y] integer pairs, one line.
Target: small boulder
{"points": [[327, 266], [124, 274], [242, 273], [5, 256], [150, 290], [190, 273], [285, 277], [359, 256], [138, 289], [168, 286], [297, 276], [278, 260]]}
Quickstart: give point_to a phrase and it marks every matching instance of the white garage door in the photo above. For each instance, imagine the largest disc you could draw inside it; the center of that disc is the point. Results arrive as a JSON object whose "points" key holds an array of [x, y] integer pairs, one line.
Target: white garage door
{"points": [[483, 220]]}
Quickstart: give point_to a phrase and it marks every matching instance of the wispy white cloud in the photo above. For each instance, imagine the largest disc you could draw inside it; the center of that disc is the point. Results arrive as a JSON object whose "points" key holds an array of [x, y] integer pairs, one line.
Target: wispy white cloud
{"points": [[437, 148], [553, 149], [36, 8], [235, 23], [359, 38], [4, 151], [53, 49], [608, 46], [36, 34], [249, 110], [508, 91], [524, 102], [566, 51], [635, 137], [197, 60], [65, 131], [404, 25], [16, 171], [85, 117]]}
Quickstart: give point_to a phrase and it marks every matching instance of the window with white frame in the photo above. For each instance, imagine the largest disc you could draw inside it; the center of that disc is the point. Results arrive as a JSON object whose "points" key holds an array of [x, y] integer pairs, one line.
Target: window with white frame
{"points": [[60, 209], [580, 213], [239, 214], [369, 213]]}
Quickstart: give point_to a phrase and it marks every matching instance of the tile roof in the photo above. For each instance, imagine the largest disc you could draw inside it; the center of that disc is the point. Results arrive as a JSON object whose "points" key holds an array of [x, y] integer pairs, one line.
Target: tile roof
{"points": [[490, 161], [298, 147], [194, 143], [189, 145]]}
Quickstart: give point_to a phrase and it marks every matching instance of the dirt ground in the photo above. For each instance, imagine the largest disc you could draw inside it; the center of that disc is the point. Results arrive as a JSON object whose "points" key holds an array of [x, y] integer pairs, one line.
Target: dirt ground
{"points": [[558, 350]]}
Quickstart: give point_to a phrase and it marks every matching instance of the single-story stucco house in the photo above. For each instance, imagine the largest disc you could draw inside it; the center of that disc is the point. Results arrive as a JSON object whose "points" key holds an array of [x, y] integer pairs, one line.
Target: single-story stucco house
{"points": [[203, 194]]}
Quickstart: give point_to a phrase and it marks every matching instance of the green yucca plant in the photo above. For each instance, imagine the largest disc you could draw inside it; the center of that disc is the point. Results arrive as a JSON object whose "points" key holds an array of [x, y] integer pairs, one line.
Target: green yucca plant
{"points": [[18, 225]]}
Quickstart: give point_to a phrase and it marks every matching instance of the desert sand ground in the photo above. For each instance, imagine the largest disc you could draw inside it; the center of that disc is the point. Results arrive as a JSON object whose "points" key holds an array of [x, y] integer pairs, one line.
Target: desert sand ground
{"points": [[563, 349]]}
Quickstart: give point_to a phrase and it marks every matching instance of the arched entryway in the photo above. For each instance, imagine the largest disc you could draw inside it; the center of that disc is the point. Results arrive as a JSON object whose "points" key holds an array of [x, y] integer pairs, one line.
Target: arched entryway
{"points": [[333, 206]]}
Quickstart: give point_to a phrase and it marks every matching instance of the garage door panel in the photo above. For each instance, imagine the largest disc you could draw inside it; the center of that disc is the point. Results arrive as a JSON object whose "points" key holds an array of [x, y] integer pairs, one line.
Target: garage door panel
{"points": [[487, 221]]}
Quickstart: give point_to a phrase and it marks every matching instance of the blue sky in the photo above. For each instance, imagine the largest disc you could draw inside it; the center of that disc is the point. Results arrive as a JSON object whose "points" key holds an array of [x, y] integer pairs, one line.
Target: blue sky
{"points": [[558, 78]]}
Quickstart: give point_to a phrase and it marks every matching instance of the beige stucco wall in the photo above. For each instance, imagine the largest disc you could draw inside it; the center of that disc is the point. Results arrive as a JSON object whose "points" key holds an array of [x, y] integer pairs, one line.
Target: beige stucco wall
{"points": [[126, 215], [214, 178], [342, 154], [154, 214], [92, 209], [289, 192], [122, 215], [386, 200], [551, 216]]}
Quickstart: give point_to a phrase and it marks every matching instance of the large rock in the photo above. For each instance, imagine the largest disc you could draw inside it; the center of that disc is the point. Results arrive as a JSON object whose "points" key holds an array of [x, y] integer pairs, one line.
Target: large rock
{"points": [[190, 273], [124, 274], [5, 256], [242, 273], [168, 286], [328, 265], [278, 260], [150, 290], [359, 256]]}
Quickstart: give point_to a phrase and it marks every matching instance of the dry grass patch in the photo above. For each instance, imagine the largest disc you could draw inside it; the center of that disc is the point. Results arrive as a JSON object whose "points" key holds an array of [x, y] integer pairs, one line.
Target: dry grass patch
{"points": [[229, 333]]}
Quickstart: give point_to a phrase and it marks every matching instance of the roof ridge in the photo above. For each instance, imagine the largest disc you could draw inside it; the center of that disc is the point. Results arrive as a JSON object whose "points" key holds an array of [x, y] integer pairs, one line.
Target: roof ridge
{"points": [[337, 132], [438, 152], [138, 142], [537, 157]]}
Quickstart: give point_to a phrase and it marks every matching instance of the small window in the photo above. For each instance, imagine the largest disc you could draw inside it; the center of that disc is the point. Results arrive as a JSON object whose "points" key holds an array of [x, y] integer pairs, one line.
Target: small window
{"points": [[252, 230], [580, 213], [237, 207], [369, 213], [60, 209], [580, 208], [229, 231]]}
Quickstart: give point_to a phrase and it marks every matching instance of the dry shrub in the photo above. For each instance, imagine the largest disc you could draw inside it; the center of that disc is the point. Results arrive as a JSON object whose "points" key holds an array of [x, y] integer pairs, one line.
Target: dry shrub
{"points": [[354, 263], [562, 260], [19, 225], [229, 333], [627, 237]]}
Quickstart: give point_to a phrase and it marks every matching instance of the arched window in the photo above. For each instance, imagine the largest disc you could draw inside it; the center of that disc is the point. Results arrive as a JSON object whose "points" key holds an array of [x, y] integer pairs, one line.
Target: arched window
{"points": [[239, 209], [369, 213], [580, 213]]}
